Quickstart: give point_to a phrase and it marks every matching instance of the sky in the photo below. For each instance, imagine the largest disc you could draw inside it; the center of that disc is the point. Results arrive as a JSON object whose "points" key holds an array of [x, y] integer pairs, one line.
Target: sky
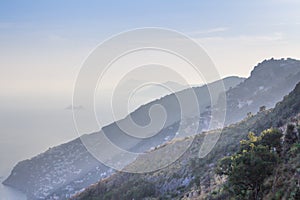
{"points": [[43, 43]]}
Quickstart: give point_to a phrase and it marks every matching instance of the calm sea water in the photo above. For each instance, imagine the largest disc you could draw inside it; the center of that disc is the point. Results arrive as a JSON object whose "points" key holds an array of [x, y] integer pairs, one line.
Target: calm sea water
{"points": [[7, 193]]}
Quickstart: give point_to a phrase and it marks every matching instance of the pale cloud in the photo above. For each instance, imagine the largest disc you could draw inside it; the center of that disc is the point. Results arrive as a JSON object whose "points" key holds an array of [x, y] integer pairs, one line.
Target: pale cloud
{"points": [[56, 38], [208, 31], [12, 25], [286, 24], [246, 39], [6, 25], [286, 1]]}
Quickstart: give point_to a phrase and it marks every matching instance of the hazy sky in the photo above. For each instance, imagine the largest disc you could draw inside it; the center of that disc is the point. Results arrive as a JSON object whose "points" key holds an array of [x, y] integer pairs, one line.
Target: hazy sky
{"points": [[43, 43]]}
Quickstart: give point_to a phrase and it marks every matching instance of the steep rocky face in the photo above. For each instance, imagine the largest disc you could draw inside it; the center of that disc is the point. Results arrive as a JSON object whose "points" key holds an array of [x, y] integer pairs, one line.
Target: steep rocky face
{"points": [[268, 83], [50, 176], [191, 177]]}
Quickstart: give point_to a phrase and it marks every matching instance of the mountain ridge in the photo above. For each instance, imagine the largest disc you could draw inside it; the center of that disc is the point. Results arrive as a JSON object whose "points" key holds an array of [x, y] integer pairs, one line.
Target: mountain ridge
{"points": [[181, 179], [92, 171]]}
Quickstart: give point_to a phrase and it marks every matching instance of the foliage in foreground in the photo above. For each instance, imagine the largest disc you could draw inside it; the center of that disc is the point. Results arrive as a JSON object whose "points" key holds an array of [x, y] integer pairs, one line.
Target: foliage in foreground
{"points": [[252, 171]]}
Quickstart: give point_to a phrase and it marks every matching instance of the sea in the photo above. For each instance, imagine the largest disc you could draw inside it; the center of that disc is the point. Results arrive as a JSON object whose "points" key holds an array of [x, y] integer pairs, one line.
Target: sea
{"points": [[26, 132]]}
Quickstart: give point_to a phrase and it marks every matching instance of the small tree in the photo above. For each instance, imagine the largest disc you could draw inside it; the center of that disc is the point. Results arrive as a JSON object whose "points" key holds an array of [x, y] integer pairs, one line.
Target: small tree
{"points": [[249, 115], [272, 138], [247, 169], [290, 137], [262, 108]]}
